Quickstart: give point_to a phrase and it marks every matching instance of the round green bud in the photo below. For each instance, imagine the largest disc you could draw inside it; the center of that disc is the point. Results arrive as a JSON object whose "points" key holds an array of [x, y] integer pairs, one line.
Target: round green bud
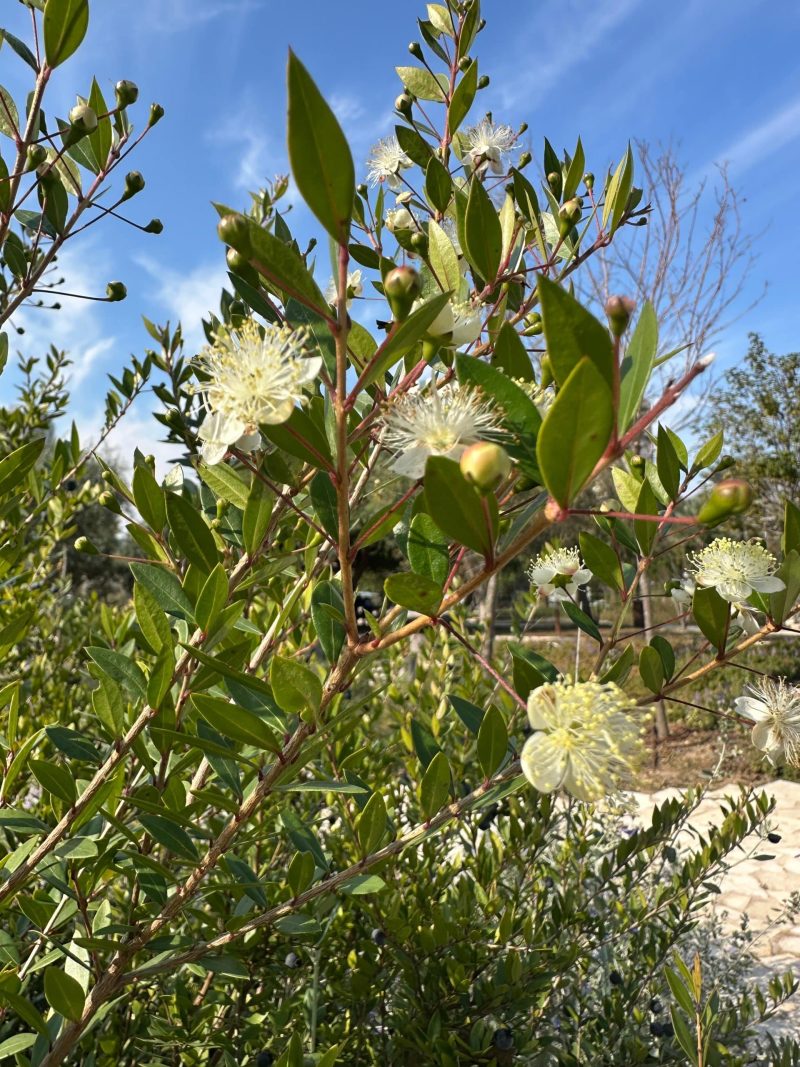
{"points": [[362, 190], [637, 462], [156, 114], [403, 104], [481, 25], [731, 497], [115, 291], [108, 500], [126, 92], [83, 119], [419, 243], [415, 48], [35, 156], [533, 324], [154, 226], [555, 181], [134, 183], [485, 465], [464, 63], [483, 81], [234, 230], [619, 310], [524, 160], [402, 286], [84, 545], [107, 477], [523, 126], [588, 180], [569, 215]]}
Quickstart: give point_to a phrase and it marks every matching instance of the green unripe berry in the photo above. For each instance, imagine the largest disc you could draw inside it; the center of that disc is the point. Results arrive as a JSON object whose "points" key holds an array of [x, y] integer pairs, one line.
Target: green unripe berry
{"points": [[588, 180], [35, 157], [154, 226], [402, 286], [403, 104], [115, 291], [464, 63], [415, 48], [134, 183], [731, 497], [524, 160], [109, 501], [84, 545], [485, 465], [126, 93], [619, 310], [83, 119], [156, 114], [483, 81]]}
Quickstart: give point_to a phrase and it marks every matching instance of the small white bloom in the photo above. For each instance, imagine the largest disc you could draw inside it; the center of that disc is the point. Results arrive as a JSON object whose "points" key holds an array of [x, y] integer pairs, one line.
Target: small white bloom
{"points": [[385, 162], [436, 422], [488, 144], [400, 218], [682, 594], [586, 742], [255, 375], [355, 288], [457, 324], [558, 571], [774, 707], [736, 569]]}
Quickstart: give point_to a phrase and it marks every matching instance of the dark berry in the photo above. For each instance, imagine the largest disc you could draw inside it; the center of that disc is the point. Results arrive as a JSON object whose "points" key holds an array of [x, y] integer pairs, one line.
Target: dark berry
{"points": [[292, 960], [489, 817], [773, 838], [378, 936], [71, 485], [615, 978], [503, 1039], [265, 1059], [655, 1029], [667, 1029], [656, 1007]]}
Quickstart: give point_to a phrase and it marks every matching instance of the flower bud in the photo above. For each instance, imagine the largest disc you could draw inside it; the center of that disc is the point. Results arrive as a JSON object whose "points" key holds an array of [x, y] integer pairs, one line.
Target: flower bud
{"points": [[555, 181], [108, 500], [569, 215], [154, 226], [546, 369], [533, 324], [619, 310], [419, 243], [126, 92], [485, 465], [83, 118], [415, 48], [523, 126], [524, 160], [156, 114], [403, 104], [464, 63], [731, 497], [83, 544], [362, 190], [35, 157], [234, 230], [134, 183], [115, 291], [483, 81], [588, 180], [637, 463], [402, 286]]}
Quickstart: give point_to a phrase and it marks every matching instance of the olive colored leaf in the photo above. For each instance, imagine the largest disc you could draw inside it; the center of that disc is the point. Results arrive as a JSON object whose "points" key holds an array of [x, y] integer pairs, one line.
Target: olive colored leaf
{"points": [[637, 366], [651, 669], [149, 498], [627, 487], [414, 591], [668, 463], [421, 83], [427, 549], [782, 603], [424, 742], [442, 256], [602, 560], [257, 513], [55, 779], [709, 452], [121, 669], [415, 146], [456, 506], [21, 49], [438, 189], [65, 25], [511, 356], [9, 117], [790, 538], [667, 654], [575, 172], [469, 713], [519, 413], [572, 333], [362, 884], [582, 620], [319, 154], [165, 831], [483, 235], [151, 618], [63, 993], [371, 825], [434, 789], [235, 722], [492, 741], [165, 587], [575, 432], [647, 503], [16, 465], [618, 191], [191, 533], [212, 599], [712, 615], [100, 140], [463, 97], [327, 615], [296, 688], [323, 500], [225, 484]]}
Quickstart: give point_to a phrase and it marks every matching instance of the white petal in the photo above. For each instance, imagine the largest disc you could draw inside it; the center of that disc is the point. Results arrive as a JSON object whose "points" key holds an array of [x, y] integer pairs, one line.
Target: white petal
{"points": [[310, 369], [219, 428], [764, 738], [768, 584], [541, 575], [733, 591], [249, 442], [543, 763], [213, 452], [411, 463], [582, 577], [278, 413], [443, 323], [751, 708]]}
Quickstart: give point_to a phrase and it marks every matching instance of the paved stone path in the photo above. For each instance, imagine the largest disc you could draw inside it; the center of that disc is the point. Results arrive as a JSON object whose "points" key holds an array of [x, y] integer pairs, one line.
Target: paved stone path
{"points": [[759, 889]]}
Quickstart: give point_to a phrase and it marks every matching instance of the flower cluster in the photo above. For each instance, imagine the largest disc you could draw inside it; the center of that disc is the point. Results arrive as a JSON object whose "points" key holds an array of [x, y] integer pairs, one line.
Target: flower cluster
{"points": [[385, 162], [586, 741], [252, 376], [355, 288], [558, 571], [736, 569], [774, 707], [436, 422]]}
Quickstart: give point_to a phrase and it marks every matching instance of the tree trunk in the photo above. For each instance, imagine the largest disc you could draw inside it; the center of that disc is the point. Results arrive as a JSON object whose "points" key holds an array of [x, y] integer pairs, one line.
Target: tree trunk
{"points": [[486, 616]]}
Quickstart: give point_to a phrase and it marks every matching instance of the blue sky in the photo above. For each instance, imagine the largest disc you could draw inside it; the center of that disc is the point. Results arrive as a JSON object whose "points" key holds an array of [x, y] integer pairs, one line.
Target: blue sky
{"points": [[720, 78]]}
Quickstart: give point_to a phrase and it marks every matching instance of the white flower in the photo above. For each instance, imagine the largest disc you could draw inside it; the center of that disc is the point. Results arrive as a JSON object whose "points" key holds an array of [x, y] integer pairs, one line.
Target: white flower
{"points": [[400, 218], [385, 162], [488, 144], [355, 288], [586, 741], [736, 569], [457, 324], [255, 376], [559, 571], [683, 592], [774, 707], [436, 422]]}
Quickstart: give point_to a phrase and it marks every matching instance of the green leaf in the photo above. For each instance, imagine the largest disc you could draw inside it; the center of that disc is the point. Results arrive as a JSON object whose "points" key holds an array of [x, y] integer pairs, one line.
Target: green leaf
{"points": [[64, 994], [65, 25], [575, 432], [100, 140], [470, 714], [708, 453], [405, 336], [618, 191], [646, 504], [300, 873], [442, 255], [296, 688], [323, 500], [235, 722], [483, 235], [427, 548], [257, 513], [492, 741], [152, 620], [414, 591], [602, 560], [711, 613], [511, 356], [434, 789], [225, 484], [575, 173], [422, 83], [582, 620], [18, 1043], [121, 669], [326, 598], [21, 49], [212, 599], [415, 147], [55, 779], [165, 587], [456, 506], [362, 884], [530, 670], [149, 498], [782, 602], [667, 654], [319, 154], [668, 464], [637, 366], [790, 538], [371, 825], [439, 189], [651, 669], [26, 1011], [192, 535], [9, 117], [627, 487], [572, 333], [297, 926], [166, 832], [425, 744], [16, 465], [463, 97], [281, 264], [303, 436]]}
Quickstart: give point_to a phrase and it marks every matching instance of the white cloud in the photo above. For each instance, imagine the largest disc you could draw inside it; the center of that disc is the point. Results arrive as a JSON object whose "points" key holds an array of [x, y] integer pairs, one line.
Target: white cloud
{"points": [[172, 16], [136, 429], [187, 296], [762, 140]]}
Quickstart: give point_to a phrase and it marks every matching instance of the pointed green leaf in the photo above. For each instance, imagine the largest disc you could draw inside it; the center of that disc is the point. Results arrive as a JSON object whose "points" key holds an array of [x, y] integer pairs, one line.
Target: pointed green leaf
{"points": [[492, 741], [192, 535], [296, 688], [434, 789], [483, 235], [572, 333], [414, 591], [637, 366], [65, 25], [326, 599], [456, 507], [427, 548], [63, 993]]}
